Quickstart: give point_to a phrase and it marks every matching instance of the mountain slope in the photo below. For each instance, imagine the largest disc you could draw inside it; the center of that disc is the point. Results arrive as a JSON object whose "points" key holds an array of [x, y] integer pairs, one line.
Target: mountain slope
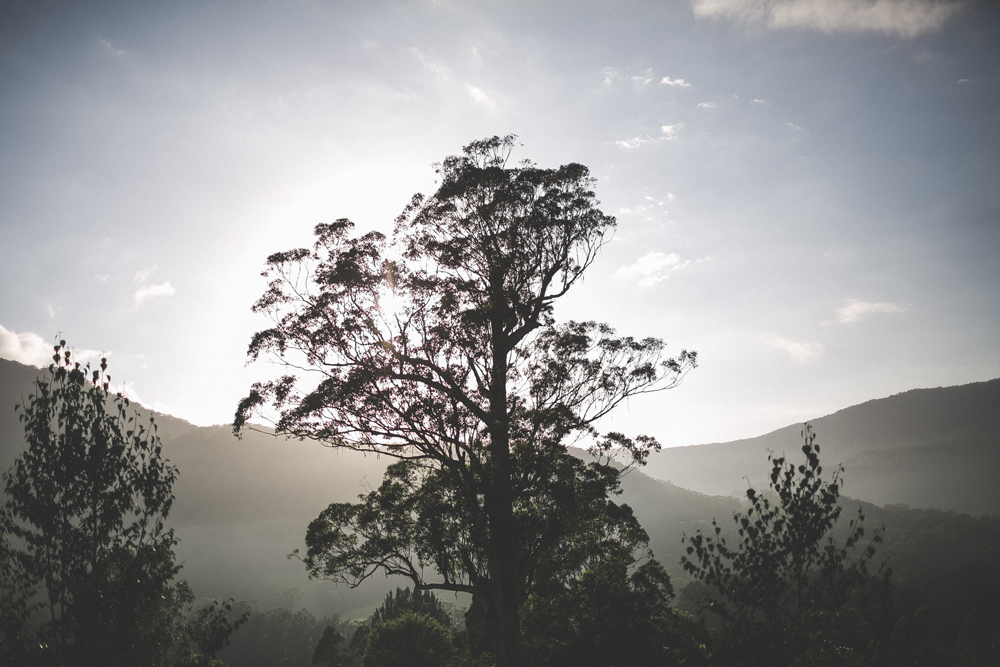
{"points": [[933, 448]]}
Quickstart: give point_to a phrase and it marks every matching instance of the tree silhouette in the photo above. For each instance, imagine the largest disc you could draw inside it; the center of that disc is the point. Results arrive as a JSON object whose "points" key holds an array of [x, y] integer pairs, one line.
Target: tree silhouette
{"points": [[788, 590], [440, 348], [83, 524]]}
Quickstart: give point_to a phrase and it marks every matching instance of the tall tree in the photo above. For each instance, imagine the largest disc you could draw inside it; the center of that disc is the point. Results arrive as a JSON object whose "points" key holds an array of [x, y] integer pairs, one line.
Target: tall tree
{"points": [[440, 348]]}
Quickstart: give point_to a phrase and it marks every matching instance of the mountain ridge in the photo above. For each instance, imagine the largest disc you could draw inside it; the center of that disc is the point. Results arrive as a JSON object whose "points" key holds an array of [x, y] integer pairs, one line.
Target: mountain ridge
{"points": [[953, 432]]}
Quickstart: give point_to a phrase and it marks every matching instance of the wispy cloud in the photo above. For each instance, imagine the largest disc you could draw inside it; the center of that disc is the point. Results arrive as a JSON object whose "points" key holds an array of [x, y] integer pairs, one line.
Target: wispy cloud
{"points": [[678, 83], [634, 142], [643, 79], [651, 268], [670, 131], [903, 18], [667, 133], [147, 291], [799, 352], [143, 275], [706, 105], [855, 310], [479, 96], [111, 48], [435, 67], [639, 81]]}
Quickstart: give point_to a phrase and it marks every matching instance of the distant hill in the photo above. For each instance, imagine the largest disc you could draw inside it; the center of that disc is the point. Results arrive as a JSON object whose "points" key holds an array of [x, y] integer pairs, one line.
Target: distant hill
{"points": [[243, 505], [929, 448]]}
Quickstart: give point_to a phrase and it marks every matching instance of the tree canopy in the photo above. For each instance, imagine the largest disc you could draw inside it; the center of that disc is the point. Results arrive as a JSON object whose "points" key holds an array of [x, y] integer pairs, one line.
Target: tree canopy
{"points": [[439, 347]]}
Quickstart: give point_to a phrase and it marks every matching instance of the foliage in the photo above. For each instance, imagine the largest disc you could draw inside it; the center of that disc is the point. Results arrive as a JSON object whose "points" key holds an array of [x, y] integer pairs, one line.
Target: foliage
{"points": [[283, 637], [609, 618], [418, 602], [788, 591], [203, 629], [409, 640], [16, 606], [330, 649], [83, 522], [88, 564], [440, 349]]}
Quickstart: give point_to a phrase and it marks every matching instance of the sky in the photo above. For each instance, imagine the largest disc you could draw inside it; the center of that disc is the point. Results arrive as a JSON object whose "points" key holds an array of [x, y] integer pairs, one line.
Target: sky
{"points": [[807, 191]]}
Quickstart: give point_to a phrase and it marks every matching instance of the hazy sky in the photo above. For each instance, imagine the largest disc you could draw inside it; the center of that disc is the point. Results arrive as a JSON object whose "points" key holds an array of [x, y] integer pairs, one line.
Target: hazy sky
{"points": [[807, 191]]}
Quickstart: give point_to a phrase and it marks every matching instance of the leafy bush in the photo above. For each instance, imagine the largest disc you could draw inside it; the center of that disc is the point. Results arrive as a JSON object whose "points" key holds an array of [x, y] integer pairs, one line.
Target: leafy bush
{"points": [[410, 640]]}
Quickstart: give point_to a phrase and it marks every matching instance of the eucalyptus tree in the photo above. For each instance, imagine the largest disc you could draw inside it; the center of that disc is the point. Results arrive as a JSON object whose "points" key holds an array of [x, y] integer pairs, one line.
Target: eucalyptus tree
{"points": [[438, 346]]}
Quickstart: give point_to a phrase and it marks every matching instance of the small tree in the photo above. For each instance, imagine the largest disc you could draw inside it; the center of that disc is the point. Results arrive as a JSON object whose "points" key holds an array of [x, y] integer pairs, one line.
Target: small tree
{"points": [[83, 523], [441, 350], [409, 640], [783, 589]]}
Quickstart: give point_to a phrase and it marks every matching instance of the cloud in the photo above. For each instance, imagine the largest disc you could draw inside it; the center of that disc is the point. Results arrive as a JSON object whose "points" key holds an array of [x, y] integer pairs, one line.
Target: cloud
{"points": [[706, 105], [669, 134], [27, 348], [102, 278], [30, 348], [146, 291], [756, 100], [435, 67], [794, 127], [643, 79], [639, 81], [635, 142], [670, 131], [855, 310], [800, 353], [111, 48], [651, 268], [610, 76], [679, 83], [903, 18], [479, 96], [143, 275]]}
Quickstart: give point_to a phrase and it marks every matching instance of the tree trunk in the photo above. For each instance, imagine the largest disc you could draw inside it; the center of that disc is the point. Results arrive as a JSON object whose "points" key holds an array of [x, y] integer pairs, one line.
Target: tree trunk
{"points": [[503, 527], [508, 634]]}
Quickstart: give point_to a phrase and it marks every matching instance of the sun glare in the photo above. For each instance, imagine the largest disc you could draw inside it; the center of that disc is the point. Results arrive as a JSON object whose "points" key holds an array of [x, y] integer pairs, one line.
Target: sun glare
{"points": [[391, 304]]}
